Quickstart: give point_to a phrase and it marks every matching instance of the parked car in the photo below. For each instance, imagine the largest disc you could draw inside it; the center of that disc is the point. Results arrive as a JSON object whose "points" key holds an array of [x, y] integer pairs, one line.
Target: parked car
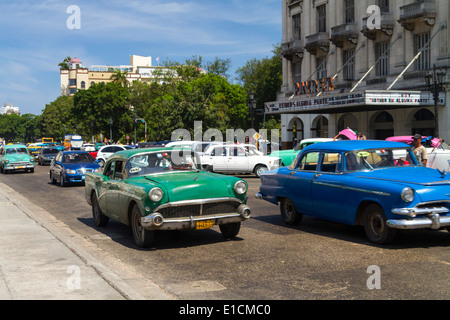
{"points": [[361, 183], [89, 147], [106, 151], [15, 157], [71, 166], [197, 146], [287, 156], [437, 150], [232, 158], [163, 189], [46, 155]]}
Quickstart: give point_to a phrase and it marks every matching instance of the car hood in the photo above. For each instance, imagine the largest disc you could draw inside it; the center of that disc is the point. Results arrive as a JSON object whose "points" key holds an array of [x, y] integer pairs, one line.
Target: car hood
{"points": [[75, 166], [407, 175], [193, 185], [18, 157]]}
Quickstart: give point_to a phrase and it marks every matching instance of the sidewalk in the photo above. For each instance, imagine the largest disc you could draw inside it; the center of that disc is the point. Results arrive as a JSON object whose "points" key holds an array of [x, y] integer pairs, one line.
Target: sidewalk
{"points": [[40, 262]]}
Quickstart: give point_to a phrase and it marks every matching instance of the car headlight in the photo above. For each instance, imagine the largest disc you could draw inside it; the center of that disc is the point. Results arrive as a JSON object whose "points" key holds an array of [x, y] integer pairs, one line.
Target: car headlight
{"points": [[240, 187], [407, 194], [70, 171], [155, 194]]}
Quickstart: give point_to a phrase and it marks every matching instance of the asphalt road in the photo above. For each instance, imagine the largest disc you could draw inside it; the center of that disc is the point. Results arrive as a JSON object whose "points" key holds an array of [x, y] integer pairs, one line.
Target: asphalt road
{"points": [[268, 260]]}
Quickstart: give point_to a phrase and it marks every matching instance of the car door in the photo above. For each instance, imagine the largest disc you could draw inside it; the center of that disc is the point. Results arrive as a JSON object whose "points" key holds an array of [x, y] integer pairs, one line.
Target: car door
{"points": [[218, 158], [327, 192], [57, 167], [237, 160], [112, 188], [298, 183]]}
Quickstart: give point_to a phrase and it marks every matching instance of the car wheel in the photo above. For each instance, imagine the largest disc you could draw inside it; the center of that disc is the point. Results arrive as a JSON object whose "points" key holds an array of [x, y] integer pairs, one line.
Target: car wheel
{"points": [[289, 213], [375, 227], [100, 219], [61, 181], [143, 238], [52, 178], [260, 169], [230, 230], [32, 170]]}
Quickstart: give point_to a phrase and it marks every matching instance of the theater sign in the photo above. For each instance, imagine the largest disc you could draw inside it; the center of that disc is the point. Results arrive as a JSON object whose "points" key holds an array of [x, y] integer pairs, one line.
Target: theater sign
{"points": [[353, 102]]}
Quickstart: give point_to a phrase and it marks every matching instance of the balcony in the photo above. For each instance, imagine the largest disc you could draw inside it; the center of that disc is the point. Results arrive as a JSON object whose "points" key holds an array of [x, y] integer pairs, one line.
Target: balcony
{"points": [[344, 32], [418, 11], [291, 49], [317, 41], [386, 26]]}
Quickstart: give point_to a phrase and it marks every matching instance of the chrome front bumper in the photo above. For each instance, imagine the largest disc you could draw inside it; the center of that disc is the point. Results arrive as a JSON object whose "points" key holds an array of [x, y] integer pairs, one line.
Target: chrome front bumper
{"points": [[431, 221], [155, 221]]}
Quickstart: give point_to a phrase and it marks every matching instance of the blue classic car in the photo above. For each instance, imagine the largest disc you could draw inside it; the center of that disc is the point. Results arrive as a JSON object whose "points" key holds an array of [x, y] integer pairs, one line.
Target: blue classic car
{"points": [[369, 183], [71, 166]]}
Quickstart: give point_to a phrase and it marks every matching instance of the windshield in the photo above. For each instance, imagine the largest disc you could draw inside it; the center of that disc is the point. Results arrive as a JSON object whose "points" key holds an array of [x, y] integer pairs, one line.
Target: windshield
{"points": [[50, 151], [165, 161], [16, 150], [77, 158], [379, 158]]}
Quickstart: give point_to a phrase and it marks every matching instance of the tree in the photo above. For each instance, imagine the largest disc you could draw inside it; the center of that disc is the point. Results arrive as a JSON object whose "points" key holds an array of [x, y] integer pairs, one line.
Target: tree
{"points": [[120, 77], [65, 63], [56, 118]]}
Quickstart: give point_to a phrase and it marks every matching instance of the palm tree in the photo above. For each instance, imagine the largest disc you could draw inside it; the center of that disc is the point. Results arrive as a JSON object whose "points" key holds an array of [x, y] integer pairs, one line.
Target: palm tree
{"points": [[65, 63], [120, 77]]}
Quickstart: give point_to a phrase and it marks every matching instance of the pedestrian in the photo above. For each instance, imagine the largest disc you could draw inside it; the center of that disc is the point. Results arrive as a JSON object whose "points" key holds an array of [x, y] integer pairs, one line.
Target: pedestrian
{"points": [[419, 150]]}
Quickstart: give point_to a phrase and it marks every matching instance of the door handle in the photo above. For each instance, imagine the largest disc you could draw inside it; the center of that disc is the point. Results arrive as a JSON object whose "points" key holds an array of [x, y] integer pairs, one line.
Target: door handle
{"points": [[317, 175]]}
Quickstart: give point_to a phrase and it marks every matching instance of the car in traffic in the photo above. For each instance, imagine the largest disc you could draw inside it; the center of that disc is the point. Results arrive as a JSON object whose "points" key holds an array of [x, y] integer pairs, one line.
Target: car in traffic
{"points": [[46, 155], [197, 146], [106, 151], [15, 157], [438, 151], [234, 158], [89, 147], [164, 189], [362, 182], [287, 156], [34, 149], [71, 167]]}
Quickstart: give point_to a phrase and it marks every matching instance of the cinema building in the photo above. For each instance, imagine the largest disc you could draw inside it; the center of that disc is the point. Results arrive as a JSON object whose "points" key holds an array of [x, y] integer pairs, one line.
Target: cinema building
{"points": [[379, 67]]}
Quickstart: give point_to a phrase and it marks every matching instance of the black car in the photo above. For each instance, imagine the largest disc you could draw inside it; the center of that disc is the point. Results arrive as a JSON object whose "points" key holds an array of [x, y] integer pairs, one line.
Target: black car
{"points": [[46, 155]]}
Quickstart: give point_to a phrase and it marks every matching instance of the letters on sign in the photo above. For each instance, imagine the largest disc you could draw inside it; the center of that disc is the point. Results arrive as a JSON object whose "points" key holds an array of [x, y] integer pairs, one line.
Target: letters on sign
{"points": [[314, 86]]}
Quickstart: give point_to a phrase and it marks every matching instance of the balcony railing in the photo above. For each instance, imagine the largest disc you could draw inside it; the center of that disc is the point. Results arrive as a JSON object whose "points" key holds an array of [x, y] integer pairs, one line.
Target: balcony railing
{"points": [[386, 26], [292, 48], [317, 41], [420, 10], [344, 32]]}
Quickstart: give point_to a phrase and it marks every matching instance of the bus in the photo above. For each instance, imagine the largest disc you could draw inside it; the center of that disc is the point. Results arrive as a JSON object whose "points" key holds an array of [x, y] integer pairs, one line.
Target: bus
{"points": [[47, 140]]}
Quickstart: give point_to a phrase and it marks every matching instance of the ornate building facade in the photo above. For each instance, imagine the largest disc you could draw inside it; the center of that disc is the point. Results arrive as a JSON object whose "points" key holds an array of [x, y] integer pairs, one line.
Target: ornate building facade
{"points": [[364, 64]]}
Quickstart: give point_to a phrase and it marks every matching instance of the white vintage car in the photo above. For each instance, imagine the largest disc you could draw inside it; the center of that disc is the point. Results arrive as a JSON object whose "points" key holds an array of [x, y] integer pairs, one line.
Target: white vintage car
{"points": [[234, 158], [437, 150]]}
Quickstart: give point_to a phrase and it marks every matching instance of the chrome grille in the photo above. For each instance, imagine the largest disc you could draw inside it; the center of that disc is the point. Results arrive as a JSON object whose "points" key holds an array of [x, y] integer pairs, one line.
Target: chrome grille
{"points": [[199, 209], [19, 164], [83, 170]]}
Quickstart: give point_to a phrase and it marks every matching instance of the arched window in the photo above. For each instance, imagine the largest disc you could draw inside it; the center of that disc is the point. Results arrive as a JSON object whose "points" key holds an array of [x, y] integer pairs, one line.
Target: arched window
{"points": [[83, 85]]}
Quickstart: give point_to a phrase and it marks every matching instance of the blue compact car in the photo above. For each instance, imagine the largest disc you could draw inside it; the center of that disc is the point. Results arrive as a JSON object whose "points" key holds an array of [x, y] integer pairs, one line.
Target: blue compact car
{"points": [[363, 182], [71, 166]]}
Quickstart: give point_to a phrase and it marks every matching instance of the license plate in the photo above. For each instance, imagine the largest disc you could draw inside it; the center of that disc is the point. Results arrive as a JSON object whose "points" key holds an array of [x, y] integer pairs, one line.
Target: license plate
{"points": [[20, 167], [204, 224]]}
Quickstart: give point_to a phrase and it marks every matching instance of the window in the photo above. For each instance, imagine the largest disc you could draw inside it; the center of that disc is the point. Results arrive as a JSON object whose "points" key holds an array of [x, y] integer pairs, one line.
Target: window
{"points": [[322, 18], [349, 7], [309, 161], [382, 67], [296, 72], [72, 82], [420, 40], [331, 162], [296, 27], [83, 85], [349, 62], [384, 5], [322, 68]]}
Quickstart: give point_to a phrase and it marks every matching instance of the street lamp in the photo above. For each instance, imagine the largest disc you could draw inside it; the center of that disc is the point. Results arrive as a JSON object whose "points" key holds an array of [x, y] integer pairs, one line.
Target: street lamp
{"points": [[434, 80], [110, 128], [251, 103]]}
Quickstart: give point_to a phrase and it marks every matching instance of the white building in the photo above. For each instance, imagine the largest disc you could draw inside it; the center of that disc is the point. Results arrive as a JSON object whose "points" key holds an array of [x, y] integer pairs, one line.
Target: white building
{"points": [[351, 63], [8, 108]]}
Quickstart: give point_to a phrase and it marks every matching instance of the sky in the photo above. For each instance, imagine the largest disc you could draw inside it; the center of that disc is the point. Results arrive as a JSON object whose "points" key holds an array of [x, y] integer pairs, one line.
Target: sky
{"points": [[36, 35]]}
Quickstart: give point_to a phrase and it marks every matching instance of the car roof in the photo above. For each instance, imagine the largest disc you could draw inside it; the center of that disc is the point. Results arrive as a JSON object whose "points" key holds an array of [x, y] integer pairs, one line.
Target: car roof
{"points": [[348, 145], [74, 151], [15, 146], [125, 154]]}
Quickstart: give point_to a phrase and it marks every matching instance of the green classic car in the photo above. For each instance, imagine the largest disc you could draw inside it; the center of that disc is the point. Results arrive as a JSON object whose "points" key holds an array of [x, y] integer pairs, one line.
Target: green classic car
{"points": [[164, 189], [14, 157]]}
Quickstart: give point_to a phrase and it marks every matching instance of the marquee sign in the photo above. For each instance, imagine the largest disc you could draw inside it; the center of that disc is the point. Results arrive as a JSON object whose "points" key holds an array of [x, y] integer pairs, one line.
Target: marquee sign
{"points": [[383, 98]]}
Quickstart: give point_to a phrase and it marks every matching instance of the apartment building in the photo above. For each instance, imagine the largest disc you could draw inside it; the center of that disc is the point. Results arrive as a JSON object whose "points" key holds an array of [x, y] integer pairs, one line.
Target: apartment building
{"points": [[78, 77], [364, 64]]}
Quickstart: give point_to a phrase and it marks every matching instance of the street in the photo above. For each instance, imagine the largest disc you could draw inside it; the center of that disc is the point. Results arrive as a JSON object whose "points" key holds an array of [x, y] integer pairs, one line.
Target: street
{"points": [[268, 260]]}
